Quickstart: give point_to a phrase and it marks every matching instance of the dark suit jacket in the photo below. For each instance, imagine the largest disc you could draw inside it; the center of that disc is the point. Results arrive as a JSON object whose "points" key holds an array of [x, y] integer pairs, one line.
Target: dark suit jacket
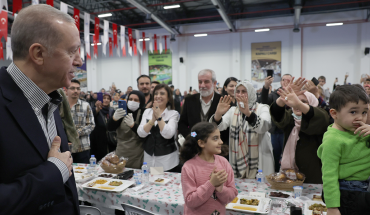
{"points": [[190, 114], [29, 184]]}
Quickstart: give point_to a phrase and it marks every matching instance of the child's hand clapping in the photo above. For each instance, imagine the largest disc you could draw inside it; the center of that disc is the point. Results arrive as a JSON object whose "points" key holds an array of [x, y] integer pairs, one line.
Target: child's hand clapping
{"points": [[218, 178], [364, 128]]}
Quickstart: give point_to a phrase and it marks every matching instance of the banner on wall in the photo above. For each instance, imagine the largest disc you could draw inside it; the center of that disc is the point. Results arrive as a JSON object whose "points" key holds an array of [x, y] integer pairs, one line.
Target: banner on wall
{"points": [[160, 67], [265, 56]]}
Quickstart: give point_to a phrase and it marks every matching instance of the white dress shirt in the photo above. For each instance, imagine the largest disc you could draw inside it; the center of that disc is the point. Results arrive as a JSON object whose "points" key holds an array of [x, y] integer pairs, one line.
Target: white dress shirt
{"points": [[206, 106], [166, 161]]}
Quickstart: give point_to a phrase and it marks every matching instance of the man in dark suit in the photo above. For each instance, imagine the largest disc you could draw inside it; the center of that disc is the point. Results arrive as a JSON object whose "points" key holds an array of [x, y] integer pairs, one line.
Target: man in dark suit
{"points": [[201, 106], [35, 163]]}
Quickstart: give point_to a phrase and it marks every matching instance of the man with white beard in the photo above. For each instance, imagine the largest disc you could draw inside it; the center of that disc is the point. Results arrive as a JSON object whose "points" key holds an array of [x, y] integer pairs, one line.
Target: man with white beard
{"points": [[201, 106]]}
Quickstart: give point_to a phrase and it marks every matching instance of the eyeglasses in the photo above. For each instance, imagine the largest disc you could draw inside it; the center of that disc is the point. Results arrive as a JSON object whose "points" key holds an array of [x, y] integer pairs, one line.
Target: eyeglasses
{"points": [[74, 88]]}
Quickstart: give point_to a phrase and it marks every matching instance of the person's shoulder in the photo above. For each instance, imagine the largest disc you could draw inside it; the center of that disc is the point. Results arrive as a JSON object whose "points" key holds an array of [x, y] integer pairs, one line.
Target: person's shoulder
{"points": [[333, 137], [192, 97], [147, 111], [221, 159], [190, 164], [173, 112]]}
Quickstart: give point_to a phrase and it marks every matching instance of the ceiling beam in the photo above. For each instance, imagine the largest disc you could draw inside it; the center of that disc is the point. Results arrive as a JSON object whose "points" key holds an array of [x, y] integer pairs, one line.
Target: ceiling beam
{"points": [[154, 16], [221, 10]]}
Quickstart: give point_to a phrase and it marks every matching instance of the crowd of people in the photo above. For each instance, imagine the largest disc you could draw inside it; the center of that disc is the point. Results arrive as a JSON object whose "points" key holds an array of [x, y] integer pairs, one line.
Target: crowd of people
{"points": [[211, 137]]}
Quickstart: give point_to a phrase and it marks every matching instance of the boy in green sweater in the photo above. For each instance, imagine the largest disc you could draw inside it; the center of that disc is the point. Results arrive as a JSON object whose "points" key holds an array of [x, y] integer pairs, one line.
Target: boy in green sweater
{"points": [[345, 153]]}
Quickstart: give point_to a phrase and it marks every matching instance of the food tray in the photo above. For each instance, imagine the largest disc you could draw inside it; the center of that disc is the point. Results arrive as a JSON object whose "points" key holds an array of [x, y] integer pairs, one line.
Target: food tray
{"points": [[106, 187], [79, 170], [153, 180], [308, 204], [81, 178], [262, 208]]}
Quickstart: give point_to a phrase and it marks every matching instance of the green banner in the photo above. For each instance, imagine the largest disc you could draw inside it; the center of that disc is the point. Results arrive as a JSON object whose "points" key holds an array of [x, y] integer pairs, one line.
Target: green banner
{"points": [[160, 67]]}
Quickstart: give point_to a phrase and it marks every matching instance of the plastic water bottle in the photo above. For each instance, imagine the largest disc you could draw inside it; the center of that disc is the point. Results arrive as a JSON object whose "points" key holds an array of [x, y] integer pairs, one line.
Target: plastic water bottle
{"points": [[145, 173], [93, 163], [260, 180]]}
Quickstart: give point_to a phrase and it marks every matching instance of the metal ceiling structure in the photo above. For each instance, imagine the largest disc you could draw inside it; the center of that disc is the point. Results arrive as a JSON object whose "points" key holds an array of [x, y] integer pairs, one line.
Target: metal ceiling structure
{"points": [[205, 11]]}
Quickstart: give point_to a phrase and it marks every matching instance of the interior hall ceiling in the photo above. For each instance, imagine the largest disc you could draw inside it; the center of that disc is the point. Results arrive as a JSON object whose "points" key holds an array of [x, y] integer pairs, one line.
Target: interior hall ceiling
{"points": [[203, 11]]}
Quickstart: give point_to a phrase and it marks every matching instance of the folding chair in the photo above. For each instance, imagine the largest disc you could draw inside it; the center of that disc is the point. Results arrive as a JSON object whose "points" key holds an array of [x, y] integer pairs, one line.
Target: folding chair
{"points": [[88, 210], [133, 210]]}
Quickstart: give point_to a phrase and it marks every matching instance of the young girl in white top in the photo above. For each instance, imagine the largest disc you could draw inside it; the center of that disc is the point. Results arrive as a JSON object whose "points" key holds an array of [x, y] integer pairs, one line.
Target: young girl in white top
{"points": [[158, 126]]}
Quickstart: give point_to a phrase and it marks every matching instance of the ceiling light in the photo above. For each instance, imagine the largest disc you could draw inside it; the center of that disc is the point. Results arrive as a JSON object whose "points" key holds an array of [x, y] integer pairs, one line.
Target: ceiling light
{"points": [[200, 35], [334, 24], [171, 6], [262, 30], [105, 15], [146, 39], [92, 44]]}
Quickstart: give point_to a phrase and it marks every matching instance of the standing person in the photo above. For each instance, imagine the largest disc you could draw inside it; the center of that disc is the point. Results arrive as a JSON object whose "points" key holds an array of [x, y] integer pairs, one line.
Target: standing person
{"points": [[129, 89], [177, 100], [267, 98], [249, 122], [229, 89], [102, 90], [129, 144], [159, 126], [304, 126], [325, 91], [152, 86], [199, 107], [100, 145], [345, 153], [207, 179], [143, 84], [37, 165], [84, 121], [114, 102]]}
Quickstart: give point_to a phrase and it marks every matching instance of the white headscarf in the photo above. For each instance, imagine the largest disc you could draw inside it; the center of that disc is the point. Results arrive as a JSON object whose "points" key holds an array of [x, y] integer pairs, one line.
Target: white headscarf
{"points": [[252, 96]]}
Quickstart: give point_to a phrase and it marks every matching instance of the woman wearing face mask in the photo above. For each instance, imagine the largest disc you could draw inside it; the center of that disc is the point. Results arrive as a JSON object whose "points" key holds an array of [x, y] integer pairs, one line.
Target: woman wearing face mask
{"points": [[100, 145], [129, 144], [249, 141], [304, 126], [158, 126]]}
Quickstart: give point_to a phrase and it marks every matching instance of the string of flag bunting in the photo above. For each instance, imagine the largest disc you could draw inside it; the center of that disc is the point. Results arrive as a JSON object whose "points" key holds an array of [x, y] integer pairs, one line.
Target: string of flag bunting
{"points": [[136, 40]]}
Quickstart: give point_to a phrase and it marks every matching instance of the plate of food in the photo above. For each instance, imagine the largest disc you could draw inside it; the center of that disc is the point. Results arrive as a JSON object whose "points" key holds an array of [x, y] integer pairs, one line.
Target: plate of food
{"points": [[159, 180], [81, 178], [315, 208], [79, 170], [282, 195], [106, 175], [108, 184], [245, 203]]}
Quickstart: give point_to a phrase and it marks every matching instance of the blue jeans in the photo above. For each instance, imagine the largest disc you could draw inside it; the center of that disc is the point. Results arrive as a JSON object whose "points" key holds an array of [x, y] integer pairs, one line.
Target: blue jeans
{"points": [[353, 185], [277, 141]]}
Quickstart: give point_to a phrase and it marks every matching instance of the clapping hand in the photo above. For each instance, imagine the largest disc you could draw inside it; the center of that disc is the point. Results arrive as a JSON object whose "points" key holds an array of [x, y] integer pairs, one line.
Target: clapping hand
{"points": [[245, 107], [289, 97], [297, 85], [129, 120], [223, 106], [218, 178], [312, 88], [156, 111], [363, 130]]}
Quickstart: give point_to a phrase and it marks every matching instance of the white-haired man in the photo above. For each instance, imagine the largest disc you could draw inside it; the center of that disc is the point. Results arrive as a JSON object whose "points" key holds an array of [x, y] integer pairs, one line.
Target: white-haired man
{"points": [[35, 160], [201, 106]]}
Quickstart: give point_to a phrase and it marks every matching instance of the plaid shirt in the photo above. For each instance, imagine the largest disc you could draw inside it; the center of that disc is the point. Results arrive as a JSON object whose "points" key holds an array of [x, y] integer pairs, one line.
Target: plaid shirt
{"points": [[84, 121]]}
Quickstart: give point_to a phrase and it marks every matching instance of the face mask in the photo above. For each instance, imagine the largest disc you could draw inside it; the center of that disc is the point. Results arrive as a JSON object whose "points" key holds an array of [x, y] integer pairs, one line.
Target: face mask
{"points": [[296, 117], [133, 106]]}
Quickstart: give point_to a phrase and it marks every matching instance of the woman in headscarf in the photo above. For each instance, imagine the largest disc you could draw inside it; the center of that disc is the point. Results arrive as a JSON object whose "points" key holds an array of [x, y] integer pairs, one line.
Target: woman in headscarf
{"points": [[304, 126], [250, 146], [100, 145], [129, 144]]}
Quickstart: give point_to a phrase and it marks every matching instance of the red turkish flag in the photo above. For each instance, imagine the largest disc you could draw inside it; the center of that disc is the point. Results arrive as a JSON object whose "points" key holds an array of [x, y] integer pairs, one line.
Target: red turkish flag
{"points": [[97, 27], [88, 57], [124, 51], [51, 3], [4, 25], [1, 51], [115, 41], [165, 44], [155, 44], [144, 45], [76, 16], [96, 40], [17, 6], [110, 47], [130, 36], [135, 47]]}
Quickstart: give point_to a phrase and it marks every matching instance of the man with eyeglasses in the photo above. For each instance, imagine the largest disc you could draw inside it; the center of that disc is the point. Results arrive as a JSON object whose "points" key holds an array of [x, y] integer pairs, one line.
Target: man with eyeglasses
{"points": [[84, 121]]}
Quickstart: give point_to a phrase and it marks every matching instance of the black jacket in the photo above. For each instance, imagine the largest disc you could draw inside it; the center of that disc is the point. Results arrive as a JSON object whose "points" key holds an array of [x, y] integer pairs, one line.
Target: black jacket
{"points": [[269, 99]]}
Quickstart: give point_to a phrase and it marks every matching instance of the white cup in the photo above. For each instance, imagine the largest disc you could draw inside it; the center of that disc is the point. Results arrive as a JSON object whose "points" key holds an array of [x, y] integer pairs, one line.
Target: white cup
{"points": [[297, 191]]}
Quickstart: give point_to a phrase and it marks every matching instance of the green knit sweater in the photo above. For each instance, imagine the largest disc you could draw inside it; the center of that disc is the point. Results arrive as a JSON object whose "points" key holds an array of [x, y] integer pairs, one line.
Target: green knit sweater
{"points": [[344, 155]]}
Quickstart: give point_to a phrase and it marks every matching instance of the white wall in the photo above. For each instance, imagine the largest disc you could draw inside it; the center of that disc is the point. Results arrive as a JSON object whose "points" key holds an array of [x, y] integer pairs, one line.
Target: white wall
{"points": [[329, 51]]}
